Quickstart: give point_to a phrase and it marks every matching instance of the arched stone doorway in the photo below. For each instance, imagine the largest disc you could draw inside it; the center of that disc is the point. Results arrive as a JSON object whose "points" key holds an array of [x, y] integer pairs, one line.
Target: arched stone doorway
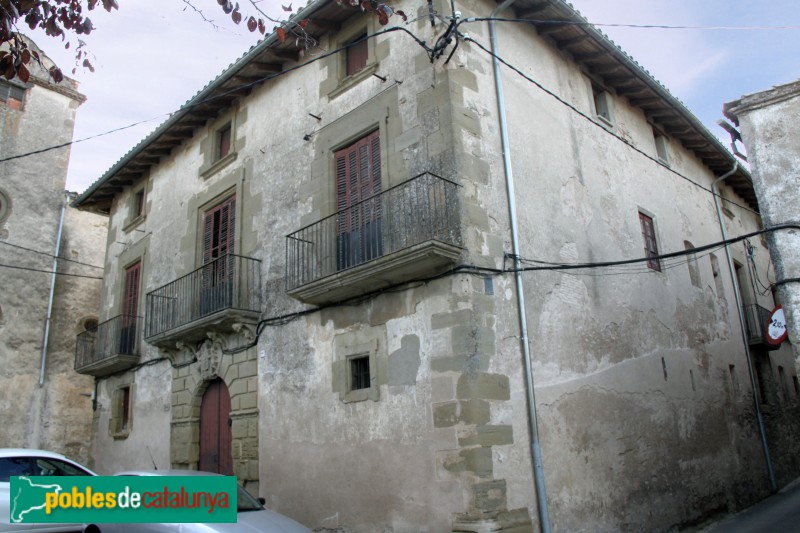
{"points": [[193, 382], [215, 429]]}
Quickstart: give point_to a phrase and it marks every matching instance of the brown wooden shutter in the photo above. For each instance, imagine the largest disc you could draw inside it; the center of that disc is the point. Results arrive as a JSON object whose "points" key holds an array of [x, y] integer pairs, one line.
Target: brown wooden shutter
{"points": [[357, 55], [650, 244], [219, 230], [224, 136], [130, 300], [358, 174]]}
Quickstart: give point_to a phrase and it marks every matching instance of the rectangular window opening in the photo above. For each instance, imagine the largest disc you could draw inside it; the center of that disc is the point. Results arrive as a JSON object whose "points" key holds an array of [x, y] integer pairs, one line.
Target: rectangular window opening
{"points": [[219, 230], [601, 102], [691, 263], [650, 243], [130, 310], [223, 141], [12, 95], [356, 54], [138, 204], [359, 218], [734, 379], [746, 293], [661, 146], [717, 278], [359, 373], [125, 406]]}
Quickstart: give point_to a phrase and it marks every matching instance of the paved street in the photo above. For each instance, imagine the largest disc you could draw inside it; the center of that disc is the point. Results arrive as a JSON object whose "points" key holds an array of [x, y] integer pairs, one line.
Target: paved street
{"points": [[777, 514]]}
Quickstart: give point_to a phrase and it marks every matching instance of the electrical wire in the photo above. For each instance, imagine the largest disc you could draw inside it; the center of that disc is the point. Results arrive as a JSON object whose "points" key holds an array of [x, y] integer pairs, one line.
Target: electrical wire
{"points": [[563, 268], [750, 253], [605, 264], [632, 269], [70, 143], [50, 255], [235, 89], [550, 22], [594, 122], [548, 266], [419, 41], [49, 272]]}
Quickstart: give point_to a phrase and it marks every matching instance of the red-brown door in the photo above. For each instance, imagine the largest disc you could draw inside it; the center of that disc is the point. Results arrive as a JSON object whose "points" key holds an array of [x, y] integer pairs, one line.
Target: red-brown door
{"points": [[130, 309], [219, 232], [358, 202], [215, 429]]}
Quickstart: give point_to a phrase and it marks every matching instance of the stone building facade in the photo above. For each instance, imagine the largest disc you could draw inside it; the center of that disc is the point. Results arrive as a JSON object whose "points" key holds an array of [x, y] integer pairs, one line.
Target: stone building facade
{"points": [[767, 123], [316, 261], [43, 403]]}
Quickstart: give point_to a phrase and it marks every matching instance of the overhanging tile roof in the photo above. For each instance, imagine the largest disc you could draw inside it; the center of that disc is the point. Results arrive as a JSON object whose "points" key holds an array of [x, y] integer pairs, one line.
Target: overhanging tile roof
{"points": [[557, 21]]}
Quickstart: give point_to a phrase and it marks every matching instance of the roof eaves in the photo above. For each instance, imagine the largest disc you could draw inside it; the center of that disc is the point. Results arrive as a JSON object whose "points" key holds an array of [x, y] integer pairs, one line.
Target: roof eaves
{"points": [[654, 84], [201, 95]]}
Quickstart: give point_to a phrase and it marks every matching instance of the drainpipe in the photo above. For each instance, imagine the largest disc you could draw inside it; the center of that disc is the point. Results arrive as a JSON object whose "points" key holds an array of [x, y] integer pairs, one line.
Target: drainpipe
{"points": [[743, 324], [536, 450], [52, 294]]}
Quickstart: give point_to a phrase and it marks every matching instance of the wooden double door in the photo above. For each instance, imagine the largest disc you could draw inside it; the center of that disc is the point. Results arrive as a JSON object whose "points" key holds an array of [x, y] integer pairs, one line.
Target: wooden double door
{"points": [[215, 430]]}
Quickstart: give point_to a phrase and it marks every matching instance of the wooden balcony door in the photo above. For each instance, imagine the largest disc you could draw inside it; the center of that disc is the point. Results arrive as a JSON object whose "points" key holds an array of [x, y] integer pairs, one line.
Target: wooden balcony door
{"points": [[219, 232], [130, 309], [215, 430], [359, 232]]}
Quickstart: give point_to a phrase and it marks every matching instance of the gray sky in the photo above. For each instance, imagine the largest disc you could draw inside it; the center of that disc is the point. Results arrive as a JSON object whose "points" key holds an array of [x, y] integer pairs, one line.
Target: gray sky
{"points": [[153, 55]]}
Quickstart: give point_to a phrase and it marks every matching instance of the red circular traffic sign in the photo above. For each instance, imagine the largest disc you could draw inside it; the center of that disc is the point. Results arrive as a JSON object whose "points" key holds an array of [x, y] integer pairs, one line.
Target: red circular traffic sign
{"points": [[776, 327]]}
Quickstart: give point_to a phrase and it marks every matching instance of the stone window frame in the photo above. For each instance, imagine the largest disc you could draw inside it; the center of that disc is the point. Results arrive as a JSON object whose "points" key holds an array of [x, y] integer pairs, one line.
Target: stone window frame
{"points": [[234, 189], [120, 424], [354, 345], [210, 145], [137, 207], [5, 206], [368, 393], [337, 63], [136, 252], [379, 113]]}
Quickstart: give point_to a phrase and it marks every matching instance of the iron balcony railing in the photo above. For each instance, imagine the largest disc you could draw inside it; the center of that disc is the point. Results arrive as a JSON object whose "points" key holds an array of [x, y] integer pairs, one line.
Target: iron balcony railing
{"points": [[756, 318], [230, 282], [422, 209], [118, 336]]}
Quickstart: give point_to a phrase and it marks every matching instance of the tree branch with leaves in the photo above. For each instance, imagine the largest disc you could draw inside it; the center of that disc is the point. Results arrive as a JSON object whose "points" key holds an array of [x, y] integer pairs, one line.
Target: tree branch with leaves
{"points": [[57, 18], [68, 18]]}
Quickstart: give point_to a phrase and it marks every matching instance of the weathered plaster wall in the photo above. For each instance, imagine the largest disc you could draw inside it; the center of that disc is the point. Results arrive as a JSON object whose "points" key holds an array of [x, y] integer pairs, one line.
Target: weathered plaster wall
{"points": [[57, 415], [148, 440], [633, 368], [645, 423], [66, 416], [768, 130]]}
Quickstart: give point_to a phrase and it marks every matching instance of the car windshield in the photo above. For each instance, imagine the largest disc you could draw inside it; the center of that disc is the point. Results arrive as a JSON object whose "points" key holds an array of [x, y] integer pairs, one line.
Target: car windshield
{"points": [[246, 502]]}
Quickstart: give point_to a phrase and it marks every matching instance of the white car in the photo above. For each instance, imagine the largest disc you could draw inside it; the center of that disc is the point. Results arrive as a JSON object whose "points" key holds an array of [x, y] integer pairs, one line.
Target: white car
{"points": [[251, 515], [20, 462]]}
